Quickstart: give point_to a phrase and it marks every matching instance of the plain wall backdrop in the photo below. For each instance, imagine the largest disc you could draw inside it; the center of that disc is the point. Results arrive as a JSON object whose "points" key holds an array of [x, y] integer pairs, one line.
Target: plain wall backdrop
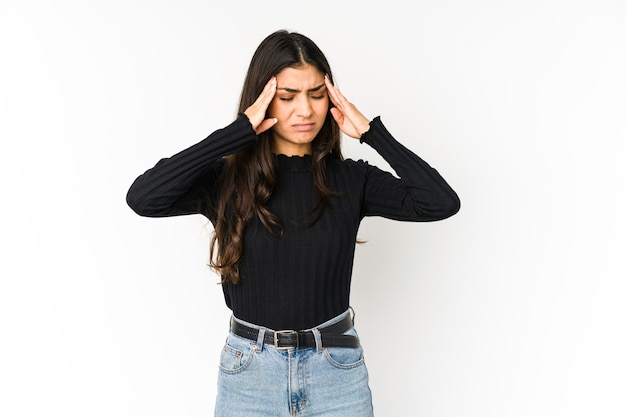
{"points": [[513, 307]]}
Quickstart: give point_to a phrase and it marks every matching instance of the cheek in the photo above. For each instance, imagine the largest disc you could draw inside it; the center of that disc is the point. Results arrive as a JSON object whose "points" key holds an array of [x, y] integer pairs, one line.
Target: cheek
{"points": [[277, 109], [321, 107]]}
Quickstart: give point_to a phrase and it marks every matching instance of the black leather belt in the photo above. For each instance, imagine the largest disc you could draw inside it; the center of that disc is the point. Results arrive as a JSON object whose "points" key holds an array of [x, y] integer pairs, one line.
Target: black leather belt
{"points": [[288, 339]]}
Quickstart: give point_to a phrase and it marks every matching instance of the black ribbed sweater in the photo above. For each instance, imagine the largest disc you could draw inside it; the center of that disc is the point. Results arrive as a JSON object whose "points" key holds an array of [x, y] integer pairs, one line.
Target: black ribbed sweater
{"points": [[302, 278]]}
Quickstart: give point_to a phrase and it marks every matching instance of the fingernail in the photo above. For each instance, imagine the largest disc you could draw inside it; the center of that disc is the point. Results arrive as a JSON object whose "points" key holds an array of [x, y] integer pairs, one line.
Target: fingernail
{"points": [[275, 120]]}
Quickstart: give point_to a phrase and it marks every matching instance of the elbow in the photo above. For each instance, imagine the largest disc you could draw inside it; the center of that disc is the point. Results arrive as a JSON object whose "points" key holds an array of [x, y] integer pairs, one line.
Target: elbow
{"points": [[137, 204], [134, 202], [452, 207], [147, 205], [445, 208]]}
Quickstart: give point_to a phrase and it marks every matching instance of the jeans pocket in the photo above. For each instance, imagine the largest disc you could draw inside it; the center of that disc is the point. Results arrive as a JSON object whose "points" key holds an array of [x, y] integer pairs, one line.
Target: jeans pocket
{"points": [[345, 358], [236, 355]]}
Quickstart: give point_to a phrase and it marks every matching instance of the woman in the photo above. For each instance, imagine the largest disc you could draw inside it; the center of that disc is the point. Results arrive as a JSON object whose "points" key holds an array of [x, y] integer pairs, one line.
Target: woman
{"points": [[286, 208]]}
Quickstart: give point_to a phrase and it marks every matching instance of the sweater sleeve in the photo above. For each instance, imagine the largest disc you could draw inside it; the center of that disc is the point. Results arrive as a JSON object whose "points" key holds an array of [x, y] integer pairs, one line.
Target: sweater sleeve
{"points": [[419, 194], [174, 186]]}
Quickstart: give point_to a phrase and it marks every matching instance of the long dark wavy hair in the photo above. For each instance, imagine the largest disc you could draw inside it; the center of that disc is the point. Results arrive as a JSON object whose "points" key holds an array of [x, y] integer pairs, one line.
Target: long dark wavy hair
{"points": [[249, 176]]}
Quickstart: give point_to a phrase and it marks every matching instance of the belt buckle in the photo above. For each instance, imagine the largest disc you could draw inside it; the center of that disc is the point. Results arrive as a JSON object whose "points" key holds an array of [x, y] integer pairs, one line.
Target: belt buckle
{"points": [[279, 332]]}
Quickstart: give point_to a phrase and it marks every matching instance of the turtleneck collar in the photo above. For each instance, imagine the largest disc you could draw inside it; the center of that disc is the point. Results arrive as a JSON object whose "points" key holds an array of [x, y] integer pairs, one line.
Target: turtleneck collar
{"points": [[294, 163]]}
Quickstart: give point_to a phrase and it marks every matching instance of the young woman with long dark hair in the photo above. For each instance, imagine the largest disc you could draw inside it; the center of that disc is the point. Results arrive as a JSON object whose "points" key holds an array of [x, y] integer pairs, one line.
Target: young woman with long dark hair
{"points": [[286, 207]]}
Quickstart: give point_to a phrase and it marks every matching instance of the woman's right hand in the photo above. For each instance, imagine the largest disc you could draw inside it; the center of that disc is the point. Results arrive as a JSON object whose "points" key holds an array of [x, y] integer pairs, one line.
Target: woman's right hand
{"points": [[256, 112]]}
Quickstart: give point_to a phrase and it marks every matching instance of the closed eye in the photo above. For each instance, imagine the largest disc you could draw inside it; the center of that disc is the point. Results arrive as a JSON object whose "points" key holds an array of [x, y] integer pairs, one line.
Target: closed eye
{"points": [[313, 97]]}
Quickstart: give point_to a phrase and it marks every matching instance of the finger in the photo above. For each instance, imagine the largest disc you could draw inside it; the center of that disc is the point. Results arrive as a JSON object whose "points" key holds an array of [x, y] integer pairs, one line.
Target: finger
{"points": [[336, 96], [347, 108], [337, 115], [266, 125], [331, 90], [256, 112], [266, 96], [350, 120]]}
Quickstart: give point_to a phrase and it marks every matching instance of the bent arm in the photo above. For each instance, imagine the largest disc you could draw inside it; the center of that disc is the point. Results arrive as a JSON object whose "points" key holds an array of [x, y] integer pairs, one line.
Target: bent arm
{"points": [[173, 186], [419, 194]]}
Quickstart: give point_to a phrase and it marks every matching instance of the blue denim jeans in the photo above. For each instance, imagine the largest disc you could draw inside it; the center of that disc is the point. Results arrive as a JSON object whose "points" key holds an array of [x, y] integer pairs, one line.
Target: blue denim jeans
{"points": [[258, 380]]}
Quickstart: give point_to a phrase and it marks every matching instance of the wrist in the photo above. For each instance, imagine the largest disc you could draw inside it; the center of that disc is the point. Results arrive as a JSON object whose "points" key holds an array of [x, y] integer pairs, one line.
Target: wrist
{"points": [[364, 129]]}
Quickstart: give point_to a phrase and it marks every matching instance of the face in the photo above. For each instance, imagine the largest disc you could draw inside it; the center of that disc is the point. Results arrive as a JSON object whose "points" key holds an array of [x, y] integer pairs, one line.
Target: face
{"points": [[300, 105]]}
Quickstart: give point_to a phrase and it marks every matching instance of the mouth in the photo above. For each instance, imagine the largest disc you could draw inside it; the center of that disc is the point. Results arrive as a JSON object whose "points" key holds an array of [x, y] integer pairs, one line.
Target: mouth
{"points": [[303, 127]]}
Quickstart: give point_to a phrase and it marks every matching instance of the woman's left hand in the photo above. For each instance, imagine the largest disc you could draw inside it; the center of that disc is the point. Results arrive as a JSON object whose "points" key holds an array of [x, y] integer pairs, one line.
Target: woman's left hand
{"points": [[350, 120]]}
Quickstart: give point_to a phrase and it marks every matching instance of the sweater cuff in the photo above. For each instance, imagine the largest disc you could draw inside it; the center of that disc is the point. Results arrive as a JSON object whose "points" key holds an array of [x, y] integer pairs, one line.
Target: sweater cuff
{"points": [[375, 124], [241, 117]]}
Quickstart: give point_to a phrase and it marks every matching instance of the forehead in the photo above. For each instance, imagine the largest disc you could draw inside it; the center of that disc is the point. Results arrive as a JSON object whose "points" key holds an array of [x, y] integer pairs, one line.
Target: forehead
{"points": [[299, 78]]}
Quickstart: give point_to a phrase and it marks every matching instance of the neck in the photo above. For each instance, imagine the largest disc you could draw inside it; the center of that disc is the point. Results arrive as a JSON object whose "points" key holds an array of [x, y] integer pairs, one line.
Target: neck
{"points": [[292, 149]]}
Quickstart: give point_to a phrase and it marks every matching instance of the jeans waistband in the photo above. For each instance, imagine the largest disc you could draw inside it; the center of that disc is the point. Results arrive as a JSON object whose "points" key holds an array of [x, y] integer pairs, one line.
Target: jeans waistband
{"points": [[327, 323], [331, 333]]}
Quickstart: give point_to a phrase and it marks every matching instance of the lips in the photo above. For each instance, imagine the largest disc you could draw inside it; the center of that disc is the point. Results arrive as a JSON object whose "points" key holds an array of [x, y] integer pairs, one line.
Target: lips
{"points": [[304, 127]]}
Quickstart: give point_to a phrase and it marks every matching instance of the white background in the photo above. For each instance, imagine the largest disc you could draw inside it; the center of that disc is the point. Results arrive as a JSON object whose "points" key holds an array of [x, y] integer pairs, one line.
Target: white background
{"points": [[513, 307]]}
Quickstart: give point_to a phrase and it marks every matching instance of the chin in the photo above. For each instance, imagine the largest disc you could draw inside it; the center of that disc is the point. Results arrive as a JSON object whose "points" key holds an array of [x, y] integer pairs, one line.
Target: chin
{"points": [[303, 139]]}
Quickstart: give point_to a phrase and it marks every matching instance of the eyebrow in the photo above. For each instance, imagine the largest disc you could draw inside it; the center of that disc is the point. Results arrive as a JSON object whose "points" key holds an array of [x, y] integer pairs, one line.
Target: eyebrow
{"points": [[310, 90]]}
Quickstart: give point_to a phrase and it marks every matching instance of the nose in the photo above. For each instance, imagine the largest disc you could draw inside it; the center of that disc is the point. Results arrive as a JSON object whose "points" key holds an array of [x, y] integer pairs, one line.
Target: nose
{"points": [[304, 108]]}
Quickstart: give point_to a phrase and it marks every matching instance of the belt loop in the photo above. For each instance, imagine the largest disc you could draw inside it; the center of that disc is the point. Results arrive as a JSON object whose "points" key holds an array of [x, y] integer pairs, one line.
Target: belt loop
{"points": [[353, 313], [260, 339], [318, 339]]}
